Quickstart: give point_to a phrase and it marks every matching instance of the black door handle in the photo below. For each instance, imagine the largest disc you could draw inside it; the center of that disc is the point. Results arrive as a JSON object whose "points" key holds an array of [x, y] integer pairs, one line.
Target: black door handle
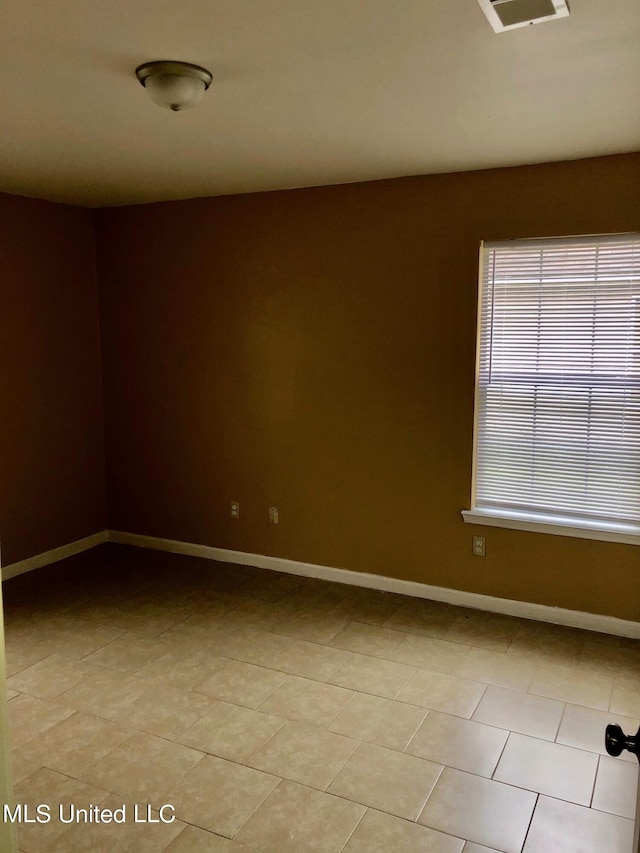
{"points": [[615, 741]]}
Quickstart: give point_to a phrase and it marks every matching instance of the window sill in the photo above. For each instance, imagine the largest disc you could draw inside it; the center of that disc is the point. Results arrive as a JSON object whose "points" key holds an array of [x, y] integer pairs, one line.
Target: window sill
{"points": [[555, 524]]}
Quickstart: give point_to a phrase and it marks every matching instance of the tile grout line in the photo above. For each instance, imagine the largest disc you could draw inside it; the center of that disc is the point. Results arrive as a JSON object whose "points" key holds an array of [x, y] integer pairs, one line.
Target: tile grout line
{"points": [[526, 835], [595, 780], [502, 751], [352, 833]]}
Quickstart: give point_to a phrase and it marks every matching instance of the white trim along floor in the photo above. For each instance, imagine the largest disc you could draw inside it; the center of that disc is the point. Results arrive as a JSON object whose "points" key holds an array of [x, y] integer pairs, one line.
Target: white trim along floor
{"points": [[507, 607]]}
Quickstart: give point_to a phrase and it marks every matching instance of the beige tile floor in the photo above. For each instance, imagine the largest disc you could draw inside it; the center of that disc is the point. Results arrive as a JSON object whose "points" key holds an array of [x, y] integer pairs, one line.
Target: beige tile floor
{"points": [[286, 715]]}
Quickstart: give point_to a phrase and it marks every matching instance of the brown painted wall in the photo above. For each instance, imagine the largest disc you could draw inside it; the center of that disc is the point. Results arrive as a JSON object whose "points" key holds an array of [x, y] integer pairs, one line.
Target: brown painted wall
{"points": [[52, 487], [314, 349]]}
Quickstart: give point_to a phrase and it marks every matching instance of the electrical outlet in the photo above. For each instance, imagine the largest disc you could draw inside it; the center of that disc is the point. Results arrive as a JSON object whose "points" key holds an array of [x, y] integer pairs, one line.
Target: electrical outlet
{"points": [[273, 515], [235, 509], [479, 546]]}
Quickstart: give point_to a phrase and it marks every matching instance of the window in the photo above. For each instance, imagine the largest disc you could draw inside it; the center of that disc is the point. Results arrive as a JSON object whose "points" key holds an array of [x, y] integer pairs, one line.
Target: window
{"points": [[557, 420]]}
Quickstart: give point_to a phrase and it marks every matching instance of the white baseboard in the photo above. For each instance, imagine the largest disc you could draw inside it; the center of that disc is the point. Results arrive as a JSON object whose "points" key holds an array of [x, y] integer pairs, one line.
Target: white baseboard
{"points": [[524, 609], [48, 557]]}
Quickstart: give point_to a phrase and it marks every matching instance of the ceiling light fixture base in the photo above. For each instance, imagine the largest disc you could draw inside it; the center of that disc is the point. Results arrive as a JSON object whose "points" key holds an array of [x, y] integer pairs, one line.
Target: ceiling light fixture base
{"points": [[172, 84]]}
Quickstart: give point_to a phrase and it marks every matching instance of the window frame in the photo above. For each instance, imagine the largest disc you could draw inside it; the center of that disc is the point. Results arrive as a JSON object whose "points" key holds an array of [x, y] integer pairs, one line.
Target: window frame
{"points": [[529, 520]]}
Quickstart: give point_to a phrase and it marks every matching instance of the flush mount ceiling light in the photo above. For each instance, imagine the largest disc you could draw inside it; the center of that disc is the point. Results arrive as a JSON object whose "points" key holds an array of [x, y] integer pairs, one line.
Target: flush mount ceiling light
{"points": [[174, 85]]}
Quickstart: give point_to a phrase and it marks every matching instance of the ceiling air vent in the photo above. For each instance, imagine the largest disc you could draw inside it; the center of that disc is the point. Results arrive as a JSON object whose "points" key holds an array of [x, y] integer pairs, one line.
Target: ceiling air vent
{"points": [[510, 14]]}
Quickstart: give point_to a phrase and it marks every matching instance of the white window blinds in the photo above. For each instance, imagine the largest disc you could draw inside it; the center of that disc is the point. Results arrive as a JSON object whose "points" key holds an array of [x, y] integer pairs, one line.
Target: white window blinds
{"points": [[558, 387]]}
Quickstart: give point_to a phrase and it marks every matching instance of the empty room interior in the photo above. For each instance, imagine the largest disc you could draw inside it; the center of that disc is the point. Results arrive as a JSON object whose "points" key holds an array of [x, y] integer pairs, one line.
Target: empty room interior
{"points": [[320, 433]]}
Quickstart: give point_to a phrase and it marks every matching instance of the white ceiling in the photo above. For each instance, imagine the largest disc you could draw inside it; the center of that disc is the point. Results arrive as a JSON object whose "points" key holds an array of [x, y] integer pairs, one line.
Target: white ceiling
{"points": [[305, 92]]}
